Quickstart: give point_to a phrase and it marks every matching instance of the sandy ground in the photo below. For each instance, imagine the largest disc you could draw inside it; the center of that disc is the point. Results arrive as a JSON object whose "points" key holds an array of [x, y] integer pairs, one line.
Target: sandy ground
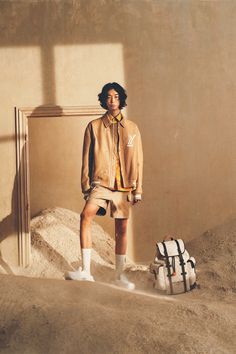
{"points": [[43, 313]]}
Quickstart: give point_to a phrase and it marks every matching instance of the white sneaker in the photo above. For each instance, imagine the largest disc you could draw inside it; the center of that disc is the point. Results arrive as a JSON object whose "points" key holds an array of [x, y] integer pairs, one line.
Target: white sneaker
{"points": [[79, 275], [123, 282]]}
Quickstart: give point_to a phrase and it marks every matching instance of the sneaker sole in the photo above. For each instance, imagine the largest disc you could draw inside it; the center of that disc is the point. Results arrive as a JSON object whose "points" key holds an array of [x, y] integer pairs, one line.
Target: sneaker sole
{"points": [[68, 277], [120, 284]]}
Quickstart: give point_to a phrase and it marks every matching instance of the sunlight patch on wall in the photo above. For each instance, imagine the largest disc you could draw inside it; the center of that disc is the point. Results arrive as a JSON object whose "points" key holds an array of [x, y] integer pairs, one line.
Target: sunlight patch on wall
{"points": [[82, 70], [21, 76]]}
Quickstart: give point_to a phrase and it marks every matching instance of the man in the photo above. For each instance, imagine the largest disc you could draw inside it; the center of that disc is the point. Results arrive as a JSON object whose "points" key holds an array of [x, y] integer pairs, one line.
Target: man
{"points": [[111, 174]]}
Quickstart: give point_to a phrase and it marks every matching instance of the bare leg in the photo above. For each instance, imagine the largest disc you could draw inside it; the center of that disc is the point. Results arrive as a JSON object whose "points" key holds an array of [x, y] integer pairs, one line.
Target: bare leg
{"points": [[86, 218], [121, 236], [121, 246]]}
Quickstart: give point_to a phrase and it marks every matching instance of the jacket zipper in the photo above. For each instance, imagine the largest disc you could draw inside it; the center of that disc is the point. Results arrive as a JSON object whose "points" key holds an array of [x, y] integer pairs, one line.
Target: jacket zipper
{"points": [[118, 152], [112, 150], [111, 155]]}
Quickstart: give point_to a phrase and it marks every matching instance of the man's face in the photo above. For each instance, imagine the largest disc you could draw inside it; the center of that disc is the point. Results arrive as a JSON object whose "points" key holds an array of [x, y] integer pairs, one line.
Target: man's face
{"points": [[113, 100]]}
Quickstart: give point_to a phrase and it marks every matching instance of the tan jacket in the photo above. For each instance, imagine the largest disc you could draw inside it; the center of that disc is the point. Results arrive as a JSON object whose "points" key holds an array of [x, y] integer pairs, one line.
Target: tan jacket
{"points": [[99, 162]]}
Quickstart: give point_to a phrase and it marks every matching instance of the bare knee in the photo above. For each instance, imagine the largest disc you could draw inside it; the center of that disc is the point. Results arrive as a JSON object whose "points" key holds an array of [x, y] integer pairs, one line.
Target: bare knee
{"points": [[86, 217]]}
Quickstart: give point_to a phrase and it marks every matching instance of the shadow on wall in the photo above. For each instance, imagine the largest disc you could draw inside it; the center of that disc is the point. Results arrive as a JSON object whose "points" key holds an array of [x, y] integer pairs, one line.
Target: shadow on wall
{"points": [[9, 224]]}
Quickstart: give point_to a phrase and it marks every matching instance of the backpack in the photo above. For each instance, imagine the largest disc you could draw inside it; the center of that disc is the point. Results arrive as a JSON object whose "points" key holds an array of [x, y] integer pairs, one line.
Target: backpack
{"points": [[173, 269]]}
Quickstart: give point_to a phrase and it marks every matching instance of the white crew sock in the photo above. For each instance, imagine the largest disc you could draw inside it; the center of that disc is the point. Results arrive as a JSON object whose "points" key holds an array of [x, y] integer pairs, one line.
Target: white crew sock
{"points": [[86, 259], [120, 264]]}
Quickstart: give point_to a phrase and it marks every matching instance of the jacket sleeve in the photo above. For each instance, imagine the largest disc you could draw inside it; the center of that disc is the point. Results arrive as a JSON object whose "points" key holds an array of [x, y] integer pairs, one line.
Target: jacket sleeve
{"points": [[87, 159], [139, 189]]}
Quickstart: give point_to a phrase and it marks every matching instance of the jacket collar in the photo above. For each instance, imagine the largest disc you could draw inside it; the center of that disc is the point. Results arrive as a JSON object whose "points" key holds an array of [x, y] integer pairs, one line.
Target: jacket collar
{"points": [[107, 122]]}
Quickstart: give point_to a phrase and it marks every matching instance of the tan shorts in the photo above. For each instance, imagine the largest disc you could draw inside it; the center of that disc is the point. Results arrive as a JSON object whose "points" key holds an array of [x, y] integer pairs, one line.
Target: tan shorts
{"points": [[119, 202]]}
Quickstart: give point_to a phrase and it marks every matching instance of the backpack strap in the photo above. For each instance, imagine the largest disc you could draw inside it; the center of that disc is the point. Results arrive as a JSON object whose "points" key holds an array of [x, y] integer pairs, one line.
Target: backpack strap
{"points": [[182, 263], [168, 267]]}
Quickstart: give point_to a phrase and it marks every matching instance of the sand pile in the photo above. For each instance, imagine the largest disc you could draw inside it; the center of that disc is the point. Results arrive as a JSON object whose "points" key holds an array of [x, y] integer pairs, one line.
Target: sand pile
{"points": [[54, 316], [40, 316], [56, 247], [215, 252]]}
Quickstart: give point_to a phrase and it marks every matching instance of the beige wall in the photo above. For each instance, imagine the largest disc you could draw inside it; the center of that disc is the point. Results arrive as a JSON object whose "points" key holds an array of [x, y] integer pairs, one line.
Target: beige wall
{"points": [[55, 149], [177, 61]]}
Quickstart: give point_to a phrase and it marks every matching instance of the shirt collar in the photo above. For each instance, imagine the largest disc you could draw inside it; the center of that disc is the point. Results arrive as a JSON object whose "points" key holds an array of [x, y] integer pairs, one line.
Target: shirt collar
{"points": [[107, 120], [115, 119]]}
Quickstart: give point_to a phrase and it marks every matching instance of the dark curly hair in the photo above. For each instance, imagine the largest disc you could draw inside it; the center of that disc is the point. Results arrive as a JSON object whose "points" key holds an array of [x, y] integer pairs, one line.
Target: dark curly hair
{"points": [[102, 97]]}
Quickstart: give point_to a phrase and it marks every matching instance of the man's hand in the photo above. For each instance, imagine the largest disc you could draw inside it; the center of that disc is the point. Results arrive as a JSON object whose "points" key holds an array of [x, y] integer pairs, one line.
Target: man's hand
{"points": [[136, 198], [86, 194]]}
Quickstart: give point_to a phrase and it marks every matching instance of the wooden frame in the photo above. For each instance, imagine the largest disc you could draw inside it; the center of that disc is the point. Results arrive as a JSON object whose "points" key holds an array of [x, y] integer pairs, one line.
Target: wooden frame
{"points": [[22, 165]]}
